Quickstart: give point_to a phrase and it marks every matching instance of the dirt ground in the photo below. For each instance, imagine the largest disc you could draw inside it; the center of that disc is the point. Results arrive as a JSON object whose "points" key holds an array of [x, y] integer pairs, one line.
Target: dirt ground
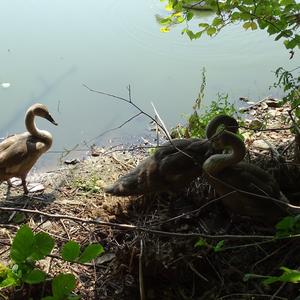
{"points": [[158, 258]]}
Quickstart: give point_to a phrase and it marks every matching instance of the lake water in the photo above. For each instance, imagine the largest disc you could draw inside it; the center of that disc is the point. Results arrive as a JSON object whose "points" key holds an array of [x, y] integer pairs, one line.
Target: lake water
{"points": [[50, 48]]}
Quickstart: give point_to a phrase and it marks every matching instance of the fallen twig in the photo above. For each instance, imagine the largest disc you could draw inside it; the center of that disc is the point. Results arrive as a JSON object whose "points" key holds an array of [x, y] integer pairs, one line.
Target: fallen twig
{"points": [[138, 228]]}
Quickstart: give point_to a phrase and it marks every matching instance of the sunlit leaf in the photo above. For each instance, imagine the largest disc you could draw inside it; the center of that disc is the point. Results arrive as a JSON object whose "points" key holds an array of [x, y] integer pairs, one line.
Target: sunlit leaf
{"points": [[91, 252], [247, 25], [164, 29], [217, 21], [70, 251], [189, 15], [63, 285], [253, 26], [288, 275], [169, 7], [22, 246], [211, 31], [42, 245], [205, 25]]}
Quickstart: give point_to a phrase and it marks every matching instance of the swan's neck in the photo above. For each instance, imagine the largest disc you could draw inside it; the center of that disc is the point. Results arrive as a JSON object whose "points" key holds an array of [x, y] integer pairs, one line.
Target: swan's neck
{"points": [[218, 162], [230, 124], [34, 131]]}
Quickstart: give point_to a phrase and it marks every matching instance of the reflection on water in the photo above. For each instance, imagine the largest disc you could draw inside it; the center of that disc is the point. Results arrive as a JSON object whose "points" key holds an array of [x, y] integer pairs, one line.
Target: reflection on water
{"points": [[49, 49]]}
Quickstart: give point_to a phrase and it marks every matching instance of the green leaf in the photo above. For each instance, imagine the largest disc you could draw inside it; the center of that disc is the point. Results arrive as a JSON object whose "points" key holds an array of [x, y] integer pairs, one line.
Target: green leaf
{"points": [[8, 281], [165, 21], [169, 7], [217, 21], [247, 25], [70, 251], [190, 34], [288, 225], [91, 252], [262, 24], [291, 44], [22, 246], [245, 16], [285, 224], [7, 277], [205, 25], [49, 298], [211, 31], [235, 16], [35, 276], [42, 246], [272, 29], [164, 29], [189, 15], [180, 19], [63, 285], [219, 246], [197, 35], [201, 243], [253, 26], [287, 2], [288, 275]]}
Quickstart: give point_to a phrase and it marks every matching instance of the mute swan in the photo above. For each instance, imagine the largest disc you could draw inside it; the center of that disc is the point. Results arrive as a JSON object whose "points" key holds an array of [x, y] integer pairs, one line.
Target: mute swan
{"points": [[169, 169], [253, 187], [18, 153]]}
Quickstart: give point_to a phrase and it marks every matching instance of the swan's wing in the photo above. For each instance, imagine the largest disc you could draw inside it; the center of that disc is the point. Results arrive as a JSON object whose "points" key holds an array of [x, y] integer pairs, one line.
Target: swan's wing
{"points": [[172, 147], [13, 150], [188, 161], [252, 179]]}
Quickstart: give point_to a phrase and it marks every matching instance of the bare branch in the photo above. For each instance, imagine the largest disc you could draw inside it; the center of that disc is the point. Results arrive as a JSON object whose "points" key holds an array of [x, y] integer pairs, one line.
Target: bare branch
{"points": [[115, 128], [138, 228], [162, 127]]}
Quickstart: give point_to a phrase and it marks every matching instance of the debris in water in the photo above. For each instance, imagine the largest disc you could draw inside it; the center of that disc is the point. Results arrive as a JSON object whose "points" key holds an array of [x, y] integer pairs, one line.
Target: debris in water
{"points": [[35, 187], [72, 161], [5, 85]]}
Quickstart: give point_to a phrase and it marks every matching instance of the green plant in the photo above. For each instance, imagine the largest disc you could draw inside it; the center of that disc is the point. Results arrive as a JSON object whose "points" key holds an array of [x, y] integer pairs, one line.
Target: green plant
{"points": [[278, 18], [197, 121], [289, 225], [62, 287], [71, 252], [288, 275], [216, 248], [290, 82], [28, 248], [89, 185]]}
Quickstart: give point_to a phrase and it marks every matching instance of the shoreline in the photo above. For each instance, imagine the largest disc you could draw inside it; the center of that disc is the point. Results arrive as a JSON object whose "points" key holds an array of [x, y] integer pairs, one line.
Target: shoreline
{"points": [[77, 190]]}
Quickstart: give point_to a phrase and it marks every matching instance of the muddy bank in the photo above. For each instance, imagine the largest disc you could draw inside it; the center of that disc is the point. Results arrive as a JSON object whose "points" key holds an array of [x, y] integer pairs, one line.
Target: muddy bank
{"points": [[164, 264]]}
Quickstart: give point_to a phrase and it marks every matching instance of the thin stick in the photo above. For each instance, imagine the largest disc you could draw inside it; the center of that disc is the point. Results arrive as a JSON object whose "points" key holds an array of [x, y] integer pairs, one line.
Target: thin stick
{"points": [[161, 121], [141, 277], [138, 228]]}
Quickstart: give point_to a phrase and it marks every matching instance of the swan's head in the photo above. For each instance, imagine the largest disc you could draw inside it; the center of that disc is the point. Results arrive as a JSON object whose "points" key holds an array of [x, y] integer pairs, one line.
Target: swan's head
{"points": [[228, 122], [226, 140], [41, 110]]}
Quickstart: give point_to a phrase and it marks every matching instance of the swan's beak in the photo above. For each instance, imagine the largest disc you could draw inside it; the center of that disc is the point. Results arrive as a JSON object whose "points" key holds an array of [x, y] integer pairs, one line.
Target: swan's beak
{"points": [[50, 119]]}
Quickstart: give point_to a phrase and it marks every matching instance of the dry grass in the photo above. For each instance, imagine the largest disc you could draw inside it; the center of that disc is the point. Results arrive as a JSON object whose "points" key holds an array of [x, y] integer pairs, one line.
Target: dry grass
{"points": [[170, 266]]}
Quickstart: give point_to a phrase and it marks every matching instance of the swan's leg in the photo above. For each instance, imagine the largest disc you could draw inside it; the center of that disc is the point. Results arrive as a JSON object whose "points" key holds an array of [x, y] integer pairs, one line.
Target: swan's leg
{"points": [[24, 186]]}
